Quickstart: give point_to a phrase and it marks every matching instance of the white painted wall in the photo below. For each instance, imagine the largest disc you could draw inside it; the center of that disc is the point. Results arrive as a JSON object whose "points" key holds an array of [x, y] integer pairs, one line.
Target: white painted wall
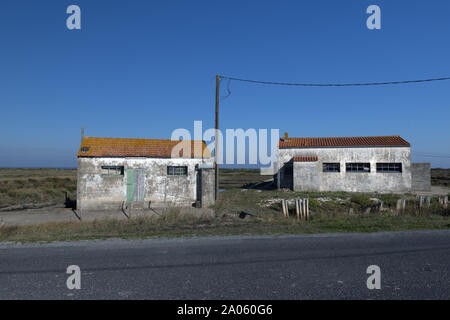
{"points": [[95, 190], [352, 181]]}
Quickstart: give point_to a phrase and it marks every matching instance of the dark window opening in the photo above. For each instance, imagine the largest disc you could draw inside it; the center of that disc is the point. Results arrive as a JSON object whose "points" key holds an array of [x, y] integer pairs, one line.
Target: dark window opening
{"points": [[112, 170], [389, 167], [84, 149], [357, 167], [177, 170], [332, 167]]}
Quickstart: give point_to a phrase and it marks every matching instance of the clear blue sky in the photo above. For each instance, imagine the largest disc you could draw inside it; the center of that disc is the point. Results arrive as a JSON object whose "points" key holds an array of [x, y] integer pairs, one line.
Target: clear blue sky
{"points": [[143, 68]]}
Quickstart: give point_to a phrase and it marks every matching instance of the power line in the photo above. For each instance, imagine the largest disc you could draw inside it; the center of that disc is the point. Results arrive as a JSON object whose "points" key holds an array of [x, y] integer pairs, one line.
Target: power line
{"points": [[429, 155], [335, 84]]}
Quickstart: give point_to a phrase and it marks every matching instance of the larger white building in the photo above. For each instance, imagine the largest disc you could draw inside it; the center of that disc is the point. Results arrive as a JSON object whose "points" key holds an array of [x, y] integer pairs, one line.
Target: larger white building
{"points": [[353, 164]]}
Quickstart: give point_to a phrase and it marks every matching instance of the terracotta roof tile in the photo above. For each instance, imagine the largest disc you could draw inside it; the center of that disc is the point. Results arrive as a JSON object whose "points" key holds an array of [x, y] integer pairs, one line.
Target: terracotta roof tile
{"points": [[388, 141], [154, 148], [305, 159]]}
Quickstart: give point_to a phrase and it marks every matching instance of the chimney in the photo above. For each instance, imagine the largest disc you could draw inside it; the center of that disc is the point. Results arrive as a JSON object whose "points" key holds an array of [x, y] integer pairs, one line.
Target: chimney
{"points": [[286, 135], [82, 133]]}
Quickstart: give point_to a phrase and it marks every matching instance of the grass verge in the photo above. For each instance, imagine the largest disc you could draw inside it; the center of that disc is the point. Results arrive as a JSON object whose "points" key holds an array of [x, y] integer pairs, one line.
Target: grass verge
{"points": [[175, 225]]}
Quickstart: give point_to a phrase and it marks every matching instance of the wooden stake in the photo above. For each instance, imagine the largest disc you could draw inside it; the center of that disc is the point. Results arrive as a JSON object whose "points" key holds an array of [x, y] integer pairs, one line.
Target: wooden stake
{"points": [[297, 209], [284, 207], [307, 208], [300, 204], [399, 205]]}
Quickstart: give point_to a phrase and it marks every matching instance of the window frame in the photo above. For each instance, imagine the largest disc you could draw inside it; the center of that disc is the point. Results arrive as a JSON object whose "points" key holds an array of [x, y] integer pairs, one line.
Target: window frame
{"points": [[336, 165], [177, 171], [389, 167], [355, 167], [113, 171]]}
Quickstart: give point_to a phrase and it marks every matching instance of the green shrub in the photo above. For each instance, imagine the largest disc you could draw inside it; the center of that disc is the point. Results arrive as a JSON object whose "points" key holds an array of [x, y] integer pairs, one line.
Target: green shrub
{"points": [[363, 201]]}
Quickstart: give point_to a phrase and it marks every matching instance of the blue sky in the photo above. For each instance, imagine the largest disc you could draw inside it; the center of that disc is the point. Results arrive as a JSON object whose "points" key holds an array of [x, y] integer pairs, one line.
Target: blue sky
{"points": [[141, 69]]}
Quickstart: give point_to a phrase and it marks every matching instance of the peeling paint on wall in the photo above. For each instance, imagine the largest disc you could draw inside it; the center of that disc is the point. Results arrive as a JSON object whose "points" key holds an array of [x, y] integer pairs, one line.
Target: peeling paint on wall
{"points": [[347, 181], [99, 191]]}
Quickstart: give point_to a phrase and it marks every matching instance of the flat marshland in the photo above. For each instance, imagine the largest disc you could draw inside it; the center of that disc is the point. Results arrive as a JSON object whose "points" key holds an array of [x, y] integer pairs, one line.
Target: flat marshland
{"points": [[329, 211]]}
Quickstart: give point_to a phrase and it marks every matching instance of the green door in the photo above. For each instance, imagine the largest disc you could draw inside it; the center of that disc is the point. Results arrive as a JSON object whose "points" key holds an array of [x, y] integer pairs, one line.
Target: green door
{"points": [[130, 184], [135, 185]]}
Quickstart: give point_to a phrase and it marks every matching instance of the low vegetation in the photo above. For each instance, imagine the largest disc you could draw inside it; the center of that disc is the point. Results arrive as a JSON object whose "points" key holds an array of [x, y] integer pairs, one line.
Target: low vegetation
{"points": [[174, 224], [440, 177], [24, 186], [329, 211]]}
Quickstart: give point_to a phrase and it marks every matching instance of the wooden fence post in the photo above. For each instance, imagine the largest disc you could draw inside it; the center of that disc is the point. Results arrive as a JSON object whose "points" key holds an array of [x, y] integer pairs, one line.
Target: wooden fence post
{"points": [[285, 208], [307, 208], [297, 209], [399, 205]]}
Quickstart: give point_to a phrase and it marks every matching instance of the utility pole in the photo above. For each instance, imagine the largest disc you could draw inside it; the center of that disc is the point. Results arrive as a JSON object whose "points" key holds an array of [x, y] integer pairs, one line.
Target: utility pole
{"points": [[216, 138]]}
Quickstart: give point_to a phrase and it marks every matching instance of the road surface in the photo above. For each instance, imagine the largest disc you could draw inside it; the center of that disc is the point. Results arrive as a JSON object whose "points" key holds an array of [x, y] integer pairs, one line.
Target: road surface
{"points": [[414, 265]]}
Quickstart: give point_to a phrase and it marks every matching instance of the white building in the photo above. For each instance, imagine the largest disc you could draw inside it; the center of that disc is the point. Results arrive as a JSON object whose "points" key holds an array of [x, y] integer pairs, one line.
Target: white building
{"points": [[144, 172], [353, 164]]}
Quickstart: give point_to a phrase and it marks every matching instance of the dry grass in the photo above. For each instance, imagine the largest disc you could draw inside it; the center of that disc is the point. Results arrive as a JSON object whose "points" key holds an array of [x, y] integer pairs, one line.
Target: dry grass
{"points": [[440, 177], [330, 211], [20, 186], [226, 222]]}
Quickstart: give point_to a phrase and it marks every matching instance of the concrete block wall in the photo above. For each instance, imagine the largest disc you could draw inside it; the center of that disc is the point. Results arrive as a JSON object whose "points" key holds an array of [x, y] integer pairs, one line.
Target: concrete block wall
{"points": [[207, 187], [421, 176], [306, 176]]}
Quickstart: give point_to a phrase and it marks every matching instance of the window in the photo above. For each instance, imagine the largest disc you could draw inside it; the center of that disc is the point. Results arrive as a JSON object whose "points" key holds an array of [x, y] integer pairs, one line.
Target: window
{"points": [[112, 170], [332, 167], [177, 170], [357, 167], [389, 167]]}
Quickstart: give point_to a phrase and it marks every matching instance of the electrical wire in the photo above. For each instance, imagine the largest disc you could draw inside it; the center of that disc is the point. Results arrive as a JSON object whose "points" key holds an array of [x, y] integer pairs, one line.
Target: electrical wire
{"points": [[430, 155], [335, 84]]}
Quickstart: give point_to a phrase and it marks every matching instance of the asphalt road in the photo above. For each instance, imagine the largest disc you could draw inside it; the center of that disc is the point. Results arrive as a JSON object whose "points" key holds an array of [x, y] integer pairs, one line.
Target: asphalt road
{"points": [[414, 265]]}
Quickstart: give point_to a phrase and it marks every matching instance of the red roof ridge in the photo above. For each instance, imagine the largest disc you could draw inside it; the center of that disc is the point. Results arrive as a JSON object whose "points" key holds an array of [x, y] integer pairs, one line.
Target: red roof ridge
{"points": [[292, 142], [305, 158]]}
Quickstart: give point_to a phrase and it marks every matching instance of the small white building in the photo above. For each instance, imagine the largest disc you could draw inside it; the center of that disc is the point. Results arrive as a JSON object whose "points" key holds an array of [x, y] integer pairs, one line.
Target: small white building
{"points": [[144, 172], [353, 164]]}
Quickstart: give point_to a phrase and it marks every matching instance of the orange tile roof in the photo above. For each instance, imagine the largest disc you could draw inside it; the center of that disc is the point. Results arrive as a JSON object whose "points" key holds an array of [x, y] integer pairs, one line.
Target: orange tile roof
{"points": [[388, 141], [306, 159], [153, 148]]}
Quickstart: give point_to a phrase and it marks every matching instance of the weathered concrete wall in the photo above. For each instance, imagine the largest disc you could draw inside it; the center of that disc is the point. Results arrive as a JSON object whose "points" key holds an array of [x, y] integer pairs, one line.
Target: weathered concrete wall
{"points": [[421, 176], [306, 177], [98, 191], [354, 181], [207, 187]]}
